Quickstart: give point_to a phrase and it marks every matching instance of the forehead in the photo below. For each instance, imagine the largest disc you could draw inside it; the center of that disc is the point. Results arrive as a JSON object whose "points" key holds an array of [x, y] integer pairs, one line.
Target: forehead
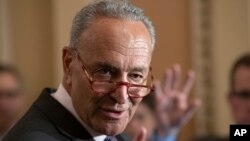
{"points": [[111, 27], [242, 78], [117, 39]]}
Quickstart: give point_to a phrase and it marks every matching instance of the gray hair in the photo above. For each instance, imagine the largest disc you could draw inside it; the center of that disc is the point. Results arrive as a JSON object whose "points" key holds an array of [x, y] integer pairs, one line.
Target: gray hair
{"points": [[121, 9]]}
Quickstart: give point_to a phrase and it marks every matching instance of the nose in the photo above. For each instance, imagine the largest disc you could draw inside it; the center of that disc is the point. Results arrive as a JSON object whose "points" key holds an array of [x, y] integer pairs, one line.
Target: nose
{"points": [[3, 102], [120, 94]]}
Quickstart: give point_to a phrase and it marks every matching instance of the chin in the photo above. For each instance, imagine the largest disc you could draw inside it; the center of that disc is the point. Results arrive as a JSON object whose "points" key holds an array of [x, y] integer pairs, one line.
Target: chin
{"points": [[110, 128]]}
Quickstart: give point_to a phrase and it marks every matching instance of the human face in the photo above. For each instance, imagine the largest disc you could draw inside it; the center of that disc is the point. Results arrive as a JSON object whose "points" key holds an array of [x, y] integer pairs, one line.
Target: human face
{"points": [[110, 48], [10, 100], [143, 117], [241, 106]]}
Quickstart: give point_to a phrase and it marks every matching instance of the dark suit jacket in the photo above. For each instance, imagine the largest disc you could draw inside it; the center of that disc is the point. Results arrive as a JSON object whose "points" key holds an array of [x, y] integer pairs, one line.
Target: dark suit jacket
{"points": [[48, 120]]}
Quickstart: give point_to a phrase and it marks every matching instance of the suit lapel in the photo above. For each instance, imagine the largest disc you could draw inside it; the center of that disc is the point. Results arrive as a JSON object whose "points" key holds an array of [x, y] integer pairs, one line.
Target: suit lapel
{"points": [[65, 122]]}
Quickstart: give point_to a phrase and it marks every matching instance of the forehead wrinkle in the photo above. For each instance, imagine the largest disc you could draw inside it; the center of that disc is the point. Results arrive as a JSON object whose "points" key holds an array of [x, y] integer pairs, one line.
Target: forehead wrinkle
{"points": [[116, 66], [102, 57], [141, 69], [121, 49], [109, 35]]}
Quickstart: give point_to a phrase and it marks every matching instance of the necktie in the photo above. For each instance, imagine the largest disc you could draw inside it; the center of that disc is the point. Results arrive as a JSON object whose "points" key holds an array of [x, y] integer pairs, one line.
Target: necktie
{"points": [[110, 138]]}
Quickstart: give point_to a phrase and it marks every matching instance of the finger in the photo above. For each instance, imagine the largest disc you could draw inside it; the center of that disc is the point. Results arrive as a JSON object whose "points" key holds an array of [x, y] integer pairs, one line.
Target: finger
{"points": [[142, 136], [176, 76], [158, 100], [189, 83], [182, 102], [193, 106], [167, 83], [158, 90]]}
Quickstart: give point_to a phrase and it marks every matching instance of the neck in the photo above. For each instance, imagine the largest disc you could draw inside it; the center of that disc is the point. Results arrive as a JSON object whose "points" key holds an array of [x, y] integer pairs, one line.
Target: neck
{"points": [[65, 86]]}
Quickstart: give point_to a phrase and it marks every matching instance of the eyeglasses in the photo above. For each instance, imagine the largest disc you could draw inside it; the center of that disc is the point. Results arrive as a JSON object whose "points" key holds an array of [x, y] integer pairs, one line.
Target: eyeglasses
{"points": [[10, 93], [109, 86], [242, 94]]}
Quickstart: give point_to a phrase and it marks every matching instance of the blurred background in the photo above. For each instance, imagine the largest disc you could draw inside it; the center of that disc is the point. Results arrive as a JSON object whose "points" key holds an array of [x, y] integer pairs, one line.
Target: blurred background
{"points": [[204, 35]]}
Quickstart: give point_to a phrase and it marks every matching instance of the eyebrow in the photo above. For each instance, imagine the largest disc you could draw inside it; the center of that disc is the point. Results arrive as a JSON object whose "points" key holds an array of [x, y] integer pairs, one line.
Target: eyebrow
{"points": [[141, 69], [114, 68], [106, 65]]}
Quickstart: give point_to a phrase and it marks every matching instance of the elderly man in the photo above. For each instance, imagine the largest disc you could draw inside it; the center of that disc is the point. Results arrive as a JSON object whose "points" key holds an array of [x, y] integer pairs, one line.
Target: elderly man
{"points": [[11, 97], [106, 74]]}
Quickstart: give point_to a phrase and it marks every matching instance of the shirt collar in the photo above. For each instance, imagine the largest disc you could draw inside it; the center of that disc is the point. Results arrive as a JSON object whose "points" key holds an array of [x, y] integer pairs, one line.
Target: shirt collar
{"points": [[63, 97]]}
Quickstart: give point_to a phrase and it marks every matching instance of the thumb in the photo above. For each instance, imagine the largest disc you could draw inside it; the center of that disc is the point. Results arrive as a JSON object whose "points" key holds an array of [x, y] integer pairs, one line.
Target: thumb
{"points": [[194, 105], [142, 136]]}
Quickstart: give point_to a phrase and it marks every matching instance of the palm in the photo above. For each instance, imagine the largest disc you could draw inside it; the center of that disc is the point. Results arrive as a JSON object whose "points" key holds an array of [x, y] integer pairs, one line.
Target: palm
{"points": [[171, 104]]}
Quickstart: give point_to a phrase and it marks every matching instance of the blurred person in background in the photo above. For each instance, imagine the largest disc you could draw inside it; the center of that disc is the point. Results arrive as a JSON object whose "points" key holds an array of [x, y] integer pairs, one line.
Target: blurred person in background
{"points": [[11, 97], [144, 116], [238, 95]]}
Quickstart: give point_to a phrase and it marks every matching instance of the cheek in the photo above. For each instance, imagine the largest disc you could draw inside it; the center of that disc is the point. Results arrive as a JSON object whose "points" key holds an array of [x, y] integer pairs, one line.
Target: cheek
{"points": [[239, 108], [17, 101], [243, 108], [135, 103], [237, 104], [8, 104], [80, 89], [81, 96], [84, 105]]}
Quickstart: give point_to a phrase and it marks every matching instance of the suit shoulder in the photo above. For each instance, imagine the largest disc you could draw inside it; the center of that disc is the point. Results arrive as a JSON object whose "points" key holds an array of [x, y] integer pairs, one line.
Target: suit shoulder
{"points": [[34, 126], [33, 136]]}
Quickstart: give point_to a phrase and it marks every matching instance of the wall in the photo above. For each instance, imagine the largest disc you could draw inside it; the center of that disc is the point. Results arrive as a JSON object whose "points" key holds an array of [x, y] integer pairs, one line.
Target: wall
{"points": [[27, 36], [63, 12], [230, 38]]}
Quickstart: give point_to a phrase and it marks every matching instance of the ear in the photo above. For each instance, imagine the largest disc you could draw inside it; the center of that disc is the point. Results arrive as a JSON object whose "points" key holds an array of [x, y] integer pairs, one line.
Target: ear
{"points": [[67, 59]]}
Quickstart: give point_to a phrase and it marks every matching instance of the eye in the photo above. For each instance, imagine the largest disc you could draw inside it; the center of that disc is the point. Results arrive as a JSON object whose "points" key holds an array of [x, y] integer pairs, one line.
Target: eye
{"points": [[103, 71], [102, 74], [137, 77]]}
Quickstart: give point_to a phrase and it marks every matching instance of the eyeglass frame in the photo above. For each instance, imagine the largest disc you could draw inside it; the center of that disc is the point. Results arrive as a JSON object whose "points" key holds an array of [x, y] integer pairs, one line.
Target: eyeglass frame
{"points": [[244, 95], [117, 84]]}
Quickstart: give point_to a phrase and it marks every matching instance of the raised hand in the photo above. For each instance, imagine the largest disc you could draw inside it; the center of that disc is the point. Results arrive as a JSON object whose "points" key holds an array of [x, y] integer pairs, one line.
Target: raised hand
{"points": [[171, 101]]}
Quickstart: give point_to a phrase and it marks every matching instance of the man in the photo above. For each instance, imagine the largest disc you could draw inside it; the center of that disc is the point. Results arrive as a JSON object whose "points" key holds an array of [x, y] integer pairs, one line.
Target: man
{"points": [[240, 90], [106, 75], [11, 97], [238, 95], [144, 116]]}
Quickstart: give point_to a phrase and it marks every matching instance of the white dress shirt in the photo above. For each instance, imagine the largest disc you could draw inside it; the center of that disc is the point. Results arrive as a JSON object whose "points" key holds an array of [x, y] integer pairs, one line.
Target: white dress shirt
{"points": [[63, 97]]}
